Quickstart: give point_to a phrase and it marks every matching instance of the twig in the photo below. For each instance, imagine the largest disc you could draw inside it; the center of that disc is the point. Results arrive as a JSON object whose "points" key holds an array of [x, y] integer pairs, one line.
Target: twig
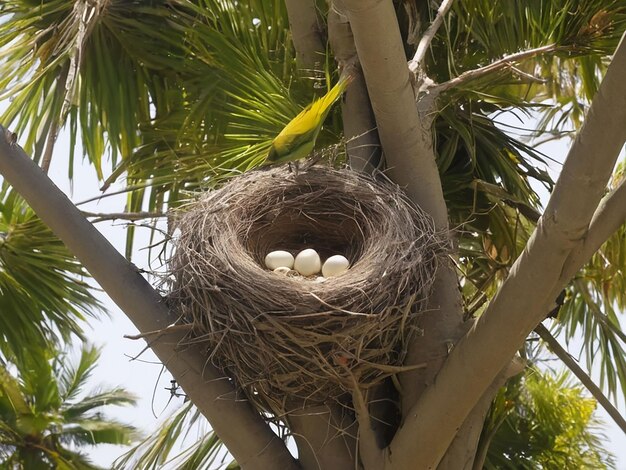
{"points": [[571, 364], [161, 332], [53, 130], [500, 64], [100, 216], [416, 63]]}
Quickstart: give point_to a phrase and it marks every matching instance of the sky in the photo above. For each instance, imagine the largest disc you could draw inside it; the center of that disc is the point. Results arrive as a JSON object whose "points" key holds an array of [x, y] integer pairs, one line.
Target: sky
{"points": [[144, 377]]}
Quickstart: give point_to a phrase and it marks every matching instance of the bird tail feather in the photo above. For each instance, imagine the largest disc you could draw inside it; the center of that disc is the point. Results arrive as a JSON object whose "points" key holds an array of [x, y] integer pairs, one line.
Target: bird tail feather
{"points": [[335, 92]]}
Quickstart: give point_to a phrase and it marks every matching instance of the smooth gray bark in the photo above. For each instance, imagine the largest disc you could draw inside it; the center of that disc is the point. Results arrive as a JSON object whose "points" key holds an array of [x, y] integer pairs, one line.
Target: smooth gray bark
{"points": [[244, 432], [359, 124], [407, 142], [526, 294], [307, 35]]}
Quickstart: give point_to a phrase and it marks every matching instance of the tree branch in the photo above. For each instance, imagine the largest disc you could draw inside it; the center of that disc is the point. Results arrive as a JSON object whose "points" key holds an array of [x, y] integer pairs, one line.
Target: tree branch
{"points": [[244, 432], [102, 216], [359, 124], [500, 64], [406, 141], [610, 216], [442, 326], [571, 364], [415, 64], [325, 436], [524, 297], [306, 34], [462, 452]]}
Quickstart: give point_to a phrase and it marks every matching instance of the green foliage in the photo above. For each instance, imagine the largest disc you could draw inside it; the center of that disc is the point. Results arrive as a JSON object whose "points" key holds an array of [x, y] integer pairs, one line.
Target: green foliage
{"points": [[596, 298], [541, 421], [485, 171], [158, 450], [46, 418], [43, 295], [181, 94]]}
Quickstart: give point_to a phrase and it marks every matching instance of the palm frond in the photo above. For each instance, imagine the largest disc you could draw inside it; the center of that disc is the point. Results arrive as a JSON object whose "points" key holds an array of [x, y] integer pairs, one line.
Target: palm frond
{"points": [[35, 408], [158, 450], [544, 421], [43, 291]]}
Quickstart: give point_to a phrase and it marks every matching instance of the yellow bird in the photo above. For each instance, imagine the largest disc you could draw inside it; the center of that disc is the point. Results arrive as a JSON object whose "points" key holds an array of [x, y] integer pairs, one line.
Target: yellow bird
{"points": [[297, 139]]}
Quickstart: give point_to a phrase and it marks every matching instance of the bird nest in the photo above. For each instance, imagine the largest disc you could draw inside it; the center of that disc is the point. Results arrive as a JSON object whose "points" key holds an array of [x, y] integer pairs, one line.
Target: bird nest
{"points": [[290, 342]]}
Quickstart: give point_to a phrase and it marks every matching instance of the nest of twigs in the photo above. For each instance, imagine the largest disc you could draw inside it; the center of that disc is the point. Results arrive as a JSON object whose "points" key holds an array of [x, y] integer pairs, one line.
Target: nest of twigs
{"points": [[289, 342]]}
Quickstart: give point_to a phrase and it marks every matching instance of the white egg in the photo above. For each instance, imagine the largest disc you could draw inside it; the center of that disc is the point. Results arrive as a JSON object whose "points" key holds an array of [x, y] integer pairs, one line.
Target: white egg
{"points": [[335, 265], [308, 262], [279, 259]]}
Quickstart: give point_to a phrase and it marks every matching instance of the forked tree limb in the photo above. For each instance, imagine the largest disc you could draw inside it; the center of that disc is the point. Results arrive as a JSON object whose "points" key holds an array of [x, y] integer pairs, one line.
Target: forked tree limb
{"points": [[589, 384], [244, 432], [462, 453], [610, 216], [525, 296]]}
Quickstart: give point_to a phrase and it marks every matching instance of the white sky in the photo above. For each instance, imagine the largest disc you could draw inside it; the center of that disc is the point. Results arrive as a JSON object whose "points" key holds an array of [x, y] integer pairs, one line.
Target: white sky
{"points": [[141, 377]]}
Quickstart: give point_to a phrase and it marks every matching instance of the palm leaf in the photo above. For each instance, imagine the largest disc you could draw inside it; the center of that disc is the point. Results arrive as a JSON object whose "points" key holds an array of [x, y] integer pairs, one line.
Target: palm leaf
{"points": [[543, 421], [37, 412], [43, 291], [157, 450]]}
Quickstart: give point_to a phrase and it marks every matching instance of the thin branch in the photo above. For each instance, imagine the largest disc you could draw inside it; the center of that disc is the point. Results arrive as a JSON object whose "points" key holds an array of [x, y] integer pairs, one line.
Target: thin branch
{"points": [[53, 130], [416, 63], [407, 144], [528, 291], [500, 64], [102, 216], [244, 431], [571, 364]]}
